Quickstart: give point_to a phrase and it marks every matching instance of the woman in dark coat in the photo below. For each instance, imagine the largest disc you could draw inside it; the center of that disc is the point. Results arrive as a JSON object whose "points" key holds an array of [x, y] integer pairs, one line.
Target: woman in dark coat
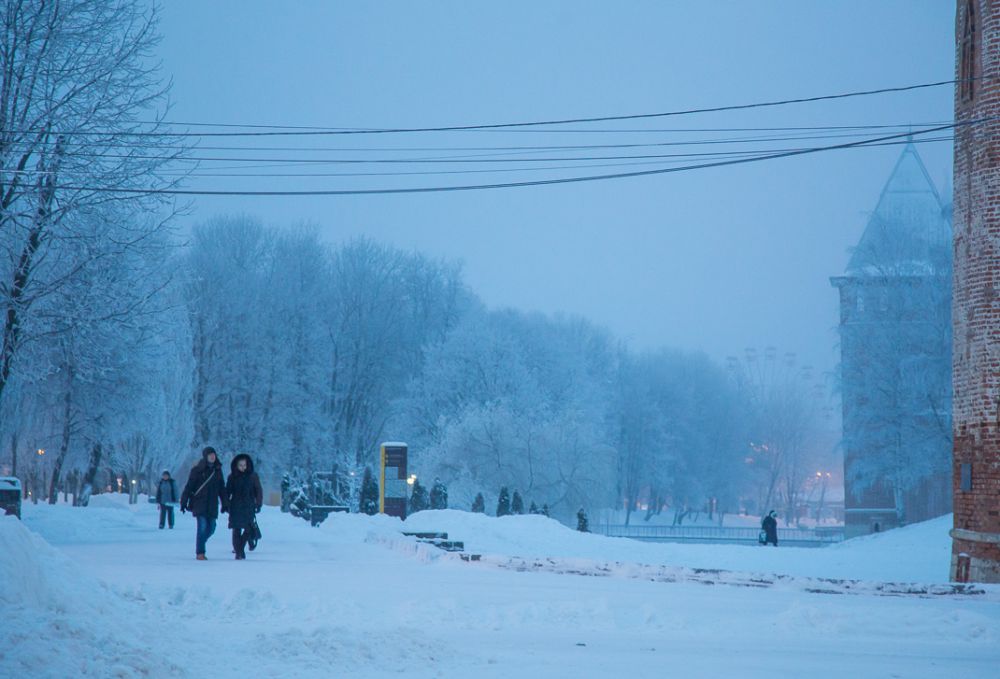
{"points": [[244, 497], [770, 527]]}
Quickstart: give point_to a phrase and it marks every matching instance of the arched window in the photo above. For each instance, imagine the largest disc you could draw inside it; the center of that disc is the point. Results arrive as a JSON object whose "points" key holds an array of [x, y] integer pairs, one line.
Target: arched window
{"points": [[967, 55]]}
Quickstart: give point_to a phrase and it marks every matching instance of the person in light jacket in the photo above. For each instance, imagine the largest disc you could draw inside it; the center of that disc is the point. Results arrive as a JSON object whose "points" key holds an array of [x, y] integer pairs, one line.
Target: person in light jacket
{"points": [[166, 498]]}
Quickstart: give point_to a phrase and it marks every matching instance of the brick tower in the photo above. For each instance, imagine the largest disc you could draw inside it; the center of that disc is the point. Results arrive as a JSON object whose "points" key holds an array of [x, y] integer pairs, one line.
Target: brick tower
{"points": [[976, 283]]}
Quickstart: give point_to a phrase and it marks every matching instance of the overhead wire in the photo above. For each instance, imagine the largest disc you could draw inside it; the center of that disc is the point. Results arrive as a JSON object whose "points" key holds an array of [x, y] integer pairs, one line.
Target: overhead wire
{"points": [[298, 131], [500, 185]]}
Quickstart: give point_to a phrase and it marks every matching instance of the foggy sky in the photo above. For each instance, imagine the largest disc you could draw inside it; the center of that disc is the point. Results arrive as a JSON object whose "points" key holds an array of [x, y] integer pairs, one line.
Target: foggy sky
{"points": [[714, 260]]}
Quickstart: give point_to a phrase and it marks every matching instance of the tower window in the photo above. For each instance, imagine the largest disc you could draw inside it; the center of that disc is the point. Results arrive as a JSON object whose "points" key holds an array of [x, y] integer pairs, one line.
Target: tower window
{"points": [[967, 57]]}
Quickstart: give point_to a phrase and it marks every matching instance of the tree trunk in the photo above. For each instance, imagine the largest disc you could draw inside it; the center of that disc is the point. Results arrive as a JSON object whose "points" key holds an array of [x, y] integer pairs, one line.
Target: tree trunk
{"points": [[13, 453], [96, 452], [64, 441], [26, 264]]}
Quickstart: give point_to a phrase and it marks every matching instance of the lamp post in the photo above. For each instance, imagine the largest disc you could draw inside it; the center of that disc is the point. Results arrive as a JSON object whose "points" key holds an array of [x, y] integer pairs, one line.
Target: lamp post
{"points": [[822, 478]]}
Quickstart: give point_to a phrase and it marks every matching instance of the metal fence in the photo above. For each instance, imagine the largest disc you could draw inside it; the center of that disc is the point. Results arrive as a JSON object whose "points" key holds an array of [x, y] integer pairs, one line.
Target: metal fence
{"points": [[820, 536]]}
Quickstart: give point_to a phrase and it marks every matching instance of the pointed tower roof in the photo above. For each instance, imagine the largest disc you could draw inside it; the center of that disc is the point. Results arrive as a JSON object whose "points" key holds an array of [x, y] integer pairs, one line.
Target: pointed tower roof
{"points": [[909, 232]]}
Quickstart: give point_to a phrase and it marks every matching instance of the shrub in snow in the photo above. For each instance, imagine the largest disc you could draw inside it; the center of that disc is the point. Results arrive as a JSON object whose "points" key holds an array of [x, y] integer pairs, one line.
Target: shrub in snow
{"points": [[533, 509], [418, 498], [517, 504], [369, 493], [479, 504], [545, 509], [439, 495], [503, 503], [582, 524]]}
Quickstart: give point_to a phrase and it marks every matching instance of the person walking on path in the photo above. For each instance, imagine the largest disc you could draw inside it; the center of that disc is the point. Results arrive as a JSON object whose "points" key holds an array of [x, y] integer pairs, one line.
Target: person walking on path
{"points": [[166, 498], [770, 527], [204, 492], [244, 496]]}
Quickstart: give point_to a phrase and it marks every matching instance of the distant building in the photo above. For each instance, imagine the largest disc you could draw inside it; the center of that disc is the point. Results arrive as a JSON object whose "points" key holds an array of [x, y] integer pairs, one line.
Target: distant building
{"points": [[895, 346]]}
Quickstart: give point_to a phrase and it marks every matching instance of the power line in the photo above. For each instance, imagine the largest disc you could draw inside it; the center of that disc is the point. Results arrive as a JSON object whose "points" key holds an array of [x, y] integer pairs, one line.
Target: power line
{"points": [[486, 158], [499, 126], [676, 158], [521, 184], [533, 147]]}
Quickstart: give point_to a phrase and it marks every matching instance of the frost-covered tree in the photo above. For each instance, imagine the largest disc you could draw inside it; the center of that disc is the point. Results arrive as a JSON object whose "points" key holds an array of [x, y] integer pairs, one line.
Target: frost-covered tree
{"points": [[82, 154], [582, 522], [516, 399], [503, 502], [369, 493], [479, 504], [419, 500], [784, 403], [439, 495], [517, 504]]}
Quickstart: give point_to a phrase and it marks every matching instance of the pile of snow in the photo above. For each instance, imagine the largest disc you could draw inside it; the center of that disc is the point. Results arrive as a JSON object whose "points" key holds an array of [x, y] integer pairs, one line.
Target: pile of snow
{"points": [[111, 595], [925, 548], [47, 603], [35, 575]]}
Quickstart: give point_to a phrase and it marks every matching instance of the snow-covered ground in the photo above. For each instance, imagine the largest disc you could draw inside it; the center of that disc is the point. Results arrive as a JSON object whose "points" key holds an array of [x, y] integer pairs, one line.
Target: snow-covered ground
{"points": [[100, 592]]}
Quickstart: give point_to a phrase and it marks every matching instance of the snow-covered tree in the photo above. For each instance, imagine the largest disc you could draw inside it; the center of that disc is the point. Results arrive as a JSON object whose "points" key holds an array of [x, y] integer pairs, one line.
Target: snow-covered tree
{"points": [[439, 495], [419, 500], [517, 504], [503, 502], [784, 404], [79, 112], [369, 493]]}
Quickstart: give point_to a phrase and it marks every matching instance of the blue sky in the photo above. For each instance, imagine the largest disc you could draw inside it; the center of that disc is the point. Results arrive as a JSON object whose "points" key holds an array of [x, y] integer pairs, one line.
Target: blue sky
{"points": [[714, 260]]}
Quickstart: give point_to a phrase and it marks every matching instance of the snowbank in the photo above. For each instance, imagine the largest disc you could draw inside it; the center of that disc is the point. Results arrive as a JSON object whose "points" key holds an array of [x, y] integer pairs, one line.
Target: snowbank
{"points": [[36, 575], [57, 621], [114, 596], [917, 553]]}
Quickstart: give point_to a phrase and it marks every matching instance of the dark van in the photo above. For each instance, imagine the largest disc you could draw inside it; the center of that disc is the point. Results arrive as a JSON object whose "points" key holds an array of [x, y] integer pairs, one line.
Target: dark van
{"points": [[10, 495]]}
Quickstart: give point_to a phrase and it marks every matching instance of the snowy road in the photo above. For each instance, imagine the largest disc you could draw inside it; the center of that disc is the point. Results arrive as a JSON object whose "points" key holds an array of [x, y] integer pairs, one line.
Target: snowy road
{"points": [[354, 599]]}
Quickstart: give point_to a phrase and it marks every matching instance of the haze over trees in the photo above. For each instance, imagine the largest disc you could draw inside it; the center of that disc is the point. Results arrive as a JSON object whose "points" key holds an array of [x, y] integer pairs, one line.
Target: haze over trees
{"points": [[307, 354], [125, 348]]}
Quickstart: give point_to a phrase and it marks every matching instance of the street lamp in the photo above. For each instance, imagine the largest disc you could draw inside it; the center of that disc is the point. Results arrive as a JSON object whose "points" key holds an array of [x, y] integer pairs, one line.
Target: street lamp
{"points": [[412, 479], [41, 451]]}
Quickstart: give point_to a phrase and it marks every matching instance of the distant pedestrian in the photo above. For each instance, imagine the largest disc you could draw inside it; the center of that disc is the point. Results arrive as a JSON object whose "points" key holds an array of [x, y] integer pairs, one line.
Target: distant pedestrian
{"points": [[166, 498], [244, 496], [770, 527], [204, 492]]}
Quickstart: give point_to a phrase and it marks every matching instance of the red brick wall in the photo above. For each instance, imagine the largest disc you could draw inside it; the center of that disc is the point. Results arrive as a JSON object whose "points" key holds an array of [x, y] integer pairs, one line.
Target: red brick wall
{"points": [[976, 307]]}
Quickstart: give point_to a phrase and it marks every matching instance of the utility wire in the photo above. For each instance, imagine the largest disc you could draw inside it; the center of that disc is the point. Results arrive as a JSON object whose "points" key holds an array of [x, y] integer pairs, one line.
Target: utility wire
{"points": [[521, 184], [840, 133], [486, 158], [499, 126], [677, 158]]}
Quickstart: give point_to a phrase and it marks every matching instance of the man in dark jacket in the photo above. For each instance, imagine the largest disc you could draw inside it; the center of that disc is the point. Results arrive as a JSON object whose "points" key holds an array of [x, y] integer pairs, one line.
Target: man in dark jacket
{"points": [[204, 491], [166, 497], [770, 527], [244, 496]]}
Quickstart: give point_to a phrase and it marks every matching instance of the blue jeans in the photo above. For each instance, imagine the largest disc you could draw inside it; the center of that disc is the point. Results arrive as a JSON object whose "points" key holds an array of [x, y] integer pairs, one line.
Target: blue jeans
{"points": [[206, 527]]}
